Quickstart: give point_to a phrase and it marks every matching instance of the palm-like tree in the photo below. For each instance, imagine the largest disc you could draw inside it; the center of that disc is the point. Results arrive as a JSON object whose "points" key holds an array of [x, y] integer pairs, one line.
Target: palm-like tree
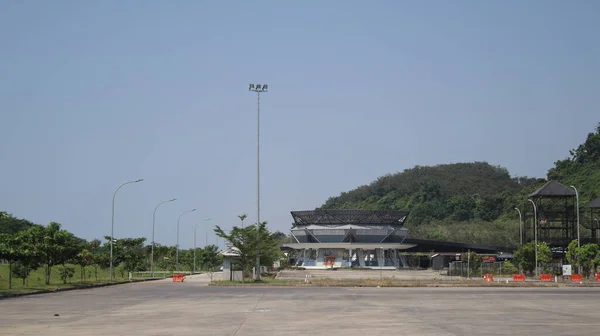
{"points": [[242, 217]]}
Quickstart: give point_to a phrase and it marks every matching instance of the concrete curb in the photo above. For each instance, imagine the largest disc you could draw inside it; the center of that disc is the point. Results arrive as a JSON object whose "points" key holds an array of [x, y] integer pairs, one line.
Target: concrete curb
{"points": [[48, 291], [416, 285]]}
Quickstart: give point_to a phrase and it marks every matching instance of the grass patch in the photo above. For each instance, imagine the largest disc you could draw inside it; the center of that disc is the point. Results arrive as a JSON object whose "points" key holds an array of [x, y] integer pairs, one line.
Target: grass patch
{"points": [[35, 282]]}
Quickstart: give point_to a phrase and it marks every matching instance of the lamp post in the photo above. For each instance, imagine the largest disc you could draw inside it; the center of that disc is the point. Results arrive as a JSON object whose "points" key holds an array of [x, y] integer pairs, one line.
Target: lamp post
{"points": [[577, 198], [520, 225], [112, 226], [535, 234], [195, 227], [177, 245], [258, 88], [153, 226]]}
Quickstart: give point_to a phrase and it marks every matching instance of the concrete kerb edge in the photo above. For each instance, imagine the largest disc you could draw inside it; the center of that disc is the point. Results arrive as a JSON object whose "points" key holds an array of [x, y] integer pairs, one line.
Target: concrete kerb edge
{"points": [[413, 285], [48, 291]]}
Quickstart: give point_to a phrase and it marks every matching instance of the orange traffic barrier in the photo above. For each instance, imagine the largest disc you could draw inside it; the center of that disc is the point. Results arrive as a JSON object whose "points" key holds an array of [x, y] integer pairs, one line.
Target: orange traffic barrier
{"points": [[488, 277], [546, 277], [178, 277], [518, 277], [576, 277], [597, 276]]}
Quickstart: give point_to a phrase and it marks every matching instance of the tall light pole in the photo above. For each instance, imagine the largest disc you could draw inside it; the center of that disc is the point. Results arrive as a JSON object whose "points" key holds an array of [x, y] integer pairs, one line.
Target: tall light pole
{"points": [[195, 227], [577, 198], [177, 245], [258, 88], [535, 234], [153, 226], [520, 225], [112, 226]]}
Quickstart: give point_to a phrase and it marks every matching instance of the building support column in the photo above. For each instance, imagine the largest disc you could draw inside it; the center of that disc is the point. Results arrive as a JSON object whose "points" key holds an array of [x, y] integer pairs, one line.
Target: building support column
{"points": [[380, 257], [349, 257], [360, 255]]}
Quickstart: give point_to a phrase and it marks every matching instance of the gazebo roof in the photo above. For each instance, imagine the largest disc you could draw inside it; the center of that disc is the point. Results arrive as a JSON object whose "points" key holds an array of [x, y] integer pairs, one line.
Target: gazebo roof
{"points": [[230, 251], [553, 189], [595, 204]]}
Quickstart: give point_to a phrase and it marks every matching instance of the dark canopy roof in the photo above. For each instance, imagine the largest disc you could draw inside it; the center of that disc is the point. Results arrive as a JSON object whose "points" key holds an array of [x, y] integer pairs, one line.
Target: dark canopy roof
{"points": [[595, 204], [553, 189], [349, 216], [428, 245]]}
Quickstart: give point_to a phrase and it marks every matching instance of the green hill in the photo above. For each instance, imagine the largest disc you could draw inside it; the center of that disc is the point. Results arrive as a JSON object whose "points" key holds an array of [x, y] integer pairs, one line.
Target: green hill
{"points": [[10, 224], [471, 202]]}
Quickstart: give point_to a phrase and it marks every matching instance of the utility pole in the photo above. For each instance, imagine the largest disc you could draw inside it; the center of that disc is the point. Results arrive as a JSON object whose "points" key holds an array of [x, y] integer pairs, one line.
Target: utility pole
{"points": [[258, 88]]}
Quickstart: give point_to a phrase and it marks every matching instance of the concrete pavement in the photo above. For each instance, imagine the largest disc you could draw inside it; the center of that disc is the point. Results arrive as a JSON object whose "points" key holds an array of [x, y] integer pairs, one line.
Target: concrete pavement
{"points": [[192, 308]]}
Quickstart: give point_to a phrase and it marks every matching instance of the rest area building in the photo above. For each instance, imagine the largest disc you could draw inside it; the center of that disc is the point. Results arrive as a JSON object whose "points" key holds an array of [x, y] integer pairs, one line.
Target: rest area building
{"points": [[335, 238]]}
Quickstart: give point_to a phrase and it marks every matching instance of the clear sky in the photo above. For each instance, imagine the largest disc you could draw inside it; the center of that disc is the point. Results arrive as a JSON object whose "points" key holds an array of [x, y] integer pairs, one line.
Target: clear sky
{"points": [[96, 93]]}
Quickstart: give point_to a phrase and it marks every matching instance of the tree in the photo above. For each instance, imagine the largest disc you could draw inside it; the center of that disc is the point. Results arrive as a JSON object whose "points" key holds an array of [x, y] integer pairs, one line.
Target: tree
{"points": [[54, 246], [525, 256], [84, 259], [21, 271], [8, 252], [19, 248], [208, 257], [586, 256], [246, 240], [130, 253], [572, 253], [11, 225], [472, 260]]}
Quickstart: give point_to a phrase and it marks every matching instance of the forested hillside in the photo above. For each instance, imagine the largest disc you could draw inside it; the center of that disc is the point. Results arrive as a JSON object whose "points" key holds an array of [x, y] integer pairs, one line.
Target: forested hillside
{"points": [[471, 202], [10, 224]]}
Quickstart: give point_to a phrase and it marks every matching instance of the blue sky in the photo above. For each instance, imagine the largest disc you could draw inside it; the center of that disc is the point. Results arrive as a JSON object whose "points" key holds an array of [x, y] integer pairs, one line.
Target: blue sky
{"points": [[94, 94]]}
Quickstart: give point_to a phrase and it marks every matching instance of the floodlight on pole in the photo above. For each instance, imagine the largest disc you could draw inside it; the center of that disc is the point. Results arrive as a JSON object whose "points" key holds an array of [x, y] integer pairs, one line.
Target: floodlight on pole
{"points": [[112, 226], [520, 225], [177, 245], [195, 227], [535, 234], [258, 88], [153, 226], [577, 199]]}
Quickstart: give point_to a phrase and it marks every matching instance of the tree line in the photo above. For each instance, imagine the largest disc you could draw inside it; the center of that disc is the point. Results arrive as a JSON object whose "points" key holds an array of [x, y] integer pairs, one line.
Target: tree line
{"points": [[27, 247], [584, 258]]}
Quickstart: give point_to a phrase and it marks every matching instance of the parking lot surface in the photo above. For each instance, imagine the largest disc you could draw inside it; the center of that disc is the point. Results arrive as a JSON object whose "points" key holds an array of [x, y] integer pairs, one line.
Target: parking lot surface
{"points": [[192, 308]]}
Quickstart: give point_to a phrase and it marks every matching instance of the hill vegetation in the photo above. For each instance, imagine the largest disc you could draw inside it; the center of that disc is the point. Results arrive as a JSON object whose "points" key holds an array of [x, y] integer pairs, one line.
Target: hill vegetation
{"points": [[471, 202]]}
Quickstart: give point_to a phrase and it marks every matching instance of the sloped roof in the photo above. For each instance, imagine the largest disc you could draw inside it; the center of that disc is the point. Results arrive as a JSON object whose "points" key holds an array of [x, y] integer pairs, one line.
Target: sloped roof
{"points": [[230, 251], [553, 189], [595, 204]]}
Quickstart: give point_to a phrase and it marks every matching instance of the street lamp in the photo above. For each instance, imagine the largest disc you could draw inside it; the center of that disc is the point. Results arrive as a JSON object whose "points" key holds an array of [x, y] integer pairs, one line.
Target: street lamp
{"points": [[177, 245], [520, 225], [577, 197], [195, 227], [535, 234], [258, 88], [112, 225], [153, 226]]}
